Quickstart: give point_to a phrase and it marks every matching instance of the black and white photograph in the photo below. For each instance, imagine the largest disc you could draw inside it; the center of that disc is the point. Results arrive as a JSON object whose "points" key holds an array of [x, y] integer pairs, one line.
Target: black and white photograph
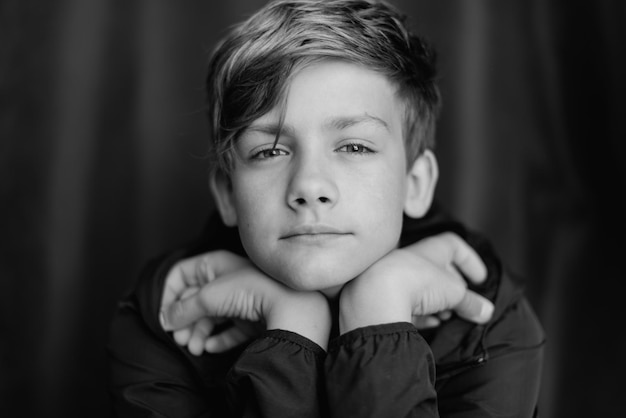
{"points": [[312, 208]]}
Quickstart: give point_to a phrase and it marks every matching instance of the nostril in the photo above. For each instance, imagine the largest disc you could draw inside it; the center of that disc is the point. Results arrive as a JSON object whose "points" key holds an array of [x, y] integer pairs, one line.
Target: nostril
{"points": [[302, 201]]}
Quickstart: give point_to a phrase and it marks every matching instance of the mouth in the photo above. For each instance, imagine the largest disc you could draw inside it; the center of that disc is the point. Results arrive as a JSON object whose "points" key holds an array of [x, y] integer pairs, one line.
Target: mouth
{"points": [[314, 232]]}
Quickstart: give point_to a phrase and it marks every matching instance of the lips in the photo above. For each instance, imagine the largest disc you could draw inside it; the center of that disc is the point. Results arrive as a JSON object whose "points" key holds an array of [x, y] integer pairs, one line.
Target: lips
{"points": [[312, 231]]}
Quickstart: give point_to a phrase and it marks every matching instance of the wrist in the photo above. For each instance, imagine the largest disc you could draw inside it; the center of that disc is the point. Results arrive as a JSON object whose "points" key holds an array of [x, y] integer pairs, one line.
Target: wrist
{"points": [[373, 299], [305, 313]]}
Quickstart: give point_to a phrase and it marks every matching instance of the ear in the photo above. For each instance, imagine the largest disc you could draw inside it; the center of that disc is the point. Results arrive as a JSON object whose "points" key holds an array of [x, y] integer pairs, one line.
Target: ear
{"points": [[421, 181], [222, 191]]}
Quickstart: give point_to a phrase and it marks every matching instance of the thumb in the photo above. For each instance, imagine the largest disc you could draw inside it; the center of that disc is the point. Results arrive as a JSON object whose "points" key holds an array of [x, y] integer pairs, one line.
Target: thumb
{"points": [[226, 340], [182, 312], [475, 308]]}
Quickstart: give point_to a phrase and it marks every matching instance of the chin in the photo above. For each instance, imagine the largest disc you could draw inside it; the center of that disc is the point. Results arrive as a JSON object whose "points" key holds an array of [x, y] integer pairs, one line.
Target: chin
{"points": [[311, 270], [331, 292], [325, 280]]}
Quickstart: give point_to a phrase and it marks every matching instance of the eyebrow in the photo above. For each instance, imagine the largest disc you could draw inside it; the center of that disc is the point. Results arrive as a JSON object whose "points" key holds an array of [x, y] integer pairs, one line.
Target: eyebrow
{"points": [[337, 123], [344, 122], [272, 129]]}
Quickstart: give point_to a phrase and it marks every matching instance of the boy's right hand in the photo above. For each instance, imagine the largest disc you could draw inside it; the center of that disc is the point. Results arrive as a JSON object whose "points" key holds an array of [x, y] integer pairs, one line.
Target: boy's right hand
{"points": [[230, 287], [184, 280]]}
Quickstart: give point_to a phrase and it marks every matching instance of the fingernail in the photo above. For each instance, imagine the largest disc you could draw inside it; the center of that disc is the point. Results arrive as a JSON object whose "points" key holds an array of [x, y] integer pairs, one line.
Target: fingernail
{"points": [[432, 322], [162, 321], [486, 311]]}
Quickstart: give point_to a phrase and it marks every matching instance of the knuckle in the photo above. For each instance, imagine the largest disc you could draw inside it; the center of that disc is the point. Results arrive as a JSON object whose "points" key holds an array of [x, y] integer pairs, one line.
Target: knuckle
{"points": [[178, 310], [453, 239], [201, 270]]}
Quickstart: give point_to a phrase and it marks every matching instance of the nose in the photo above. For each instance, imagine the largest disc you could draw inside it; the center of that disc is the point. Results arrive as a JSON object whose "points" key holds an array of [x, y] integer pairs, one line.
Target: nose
{"points": [[311, 185]]}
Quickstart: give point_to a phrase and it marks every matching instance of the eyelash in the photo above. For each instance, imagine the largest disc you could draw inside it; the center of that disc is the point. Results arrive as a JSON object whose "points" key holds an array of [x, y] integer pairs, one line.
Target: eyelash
{"points": [[355, 145], [266, 153], [272, 152]]}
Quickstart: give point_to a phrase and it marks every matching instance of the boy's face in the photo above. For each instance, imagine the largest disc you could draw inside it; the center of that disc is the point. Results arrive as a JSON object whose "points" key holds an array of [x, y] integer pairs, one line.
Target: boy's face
{"points": [[324, 204]]}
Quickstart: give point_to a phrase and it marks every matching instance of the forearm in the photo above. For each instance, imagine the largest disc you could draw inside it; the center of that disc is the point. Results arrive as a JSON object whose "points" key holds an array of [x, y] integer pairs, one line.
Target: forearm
{"points": [[371, 301], [278, 375], [381, 371], [304, 313], [380, 366]]}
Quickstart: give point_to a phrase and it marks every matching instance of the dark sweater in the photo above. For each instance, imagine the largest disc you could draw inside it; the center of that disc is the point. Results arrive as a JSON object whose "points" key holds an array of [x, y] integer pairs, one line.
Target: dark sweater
{"points": [[389, 370]]}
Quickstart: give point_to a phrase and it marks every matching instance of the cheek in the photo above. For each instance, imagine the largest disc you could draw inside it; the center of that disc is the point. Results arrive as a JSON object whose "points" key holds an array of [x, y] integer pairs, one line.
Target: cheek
{"points": [[387, 194], [391, 201], [250, 197], [256, 213], [378, 205], [250, 215]]}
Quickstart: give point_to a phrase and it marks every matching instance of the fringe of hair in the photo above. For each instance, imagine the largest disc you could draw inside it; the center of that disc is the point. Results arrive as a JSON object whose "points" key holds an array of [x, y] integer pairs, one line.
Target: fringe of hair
{"points": [[251, 68]]}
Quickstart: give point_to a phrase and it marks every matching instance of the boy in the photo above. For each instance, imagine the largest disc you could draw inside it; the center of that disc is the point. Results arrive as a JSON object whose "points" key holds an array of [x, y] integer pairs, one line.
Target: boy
{"points": [[322, 120]]}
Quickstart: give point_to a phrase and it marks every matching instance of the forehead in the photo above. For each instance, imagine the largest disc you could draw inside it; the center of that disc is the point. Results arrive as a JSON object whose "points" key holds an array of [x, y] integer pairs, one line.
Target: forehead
{"points": [[338, 95]]}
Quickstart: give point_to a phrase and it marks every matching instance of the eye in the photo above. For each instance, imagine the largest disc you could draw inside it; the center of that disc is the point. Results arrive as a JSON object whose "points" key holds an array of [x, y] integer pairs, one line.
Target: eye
{"points": [[267, 153], [355, 148]]}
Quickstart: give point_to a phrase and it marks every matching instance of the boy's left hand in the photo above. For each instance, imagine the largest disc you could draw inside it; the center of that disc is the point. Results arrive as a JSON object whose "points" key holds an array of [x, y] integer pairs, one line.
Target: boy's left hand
{"points": [[421, 280], [448, 251]]}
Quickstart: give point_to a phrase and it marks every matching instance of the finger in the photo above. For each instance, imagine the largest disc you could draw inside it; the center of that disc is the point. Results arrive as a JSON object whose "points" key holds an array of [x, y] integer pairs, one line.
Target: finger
{"points": [[425, 322], [444, 315], [182, 336], [448, 249], [200, 332], [180, 278], [474, 308], [192, 290], [182, 312], [197, 271], [226, 340], [466, 259]]}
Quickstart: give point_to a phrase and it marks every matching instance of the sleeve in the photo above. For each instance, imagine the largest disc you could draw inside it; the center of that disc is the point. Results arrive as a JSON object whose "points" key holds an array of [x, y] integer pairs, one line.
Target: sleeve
{"points": [[149, 375], [276, 376], [279, 375], [381, 371], [505, 381], [150, 378]]}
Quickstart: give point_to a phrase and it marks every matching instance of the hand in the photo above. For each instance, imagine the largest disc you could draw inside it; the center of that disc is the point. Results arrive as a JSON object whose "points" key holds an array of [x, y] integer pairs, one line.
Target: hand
{"points": [[185, 279], [418, 281], [245, 293], [450, 252]]}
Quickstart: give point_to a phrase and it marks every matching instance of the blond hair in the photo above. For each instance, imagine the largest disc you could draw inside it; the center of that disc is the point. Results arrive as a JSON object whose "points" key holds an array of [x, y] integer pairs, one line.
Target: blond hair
{"points": [[251, 68]]}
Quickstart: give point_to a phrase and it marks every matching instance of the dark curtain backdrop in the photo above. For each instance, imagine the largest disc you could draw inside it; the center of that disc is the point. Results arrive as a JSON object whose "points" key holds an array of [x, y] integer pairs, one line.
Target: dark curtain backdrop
{"points": [[102, 135]]}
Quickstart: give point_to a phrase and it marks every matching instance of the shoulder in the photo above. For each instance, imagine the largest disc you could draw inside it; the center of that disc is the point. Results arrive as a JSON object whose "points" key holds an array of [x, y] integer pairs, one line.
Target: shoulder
{"points": [[515, 326], [148, 375], [138, 349]]}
